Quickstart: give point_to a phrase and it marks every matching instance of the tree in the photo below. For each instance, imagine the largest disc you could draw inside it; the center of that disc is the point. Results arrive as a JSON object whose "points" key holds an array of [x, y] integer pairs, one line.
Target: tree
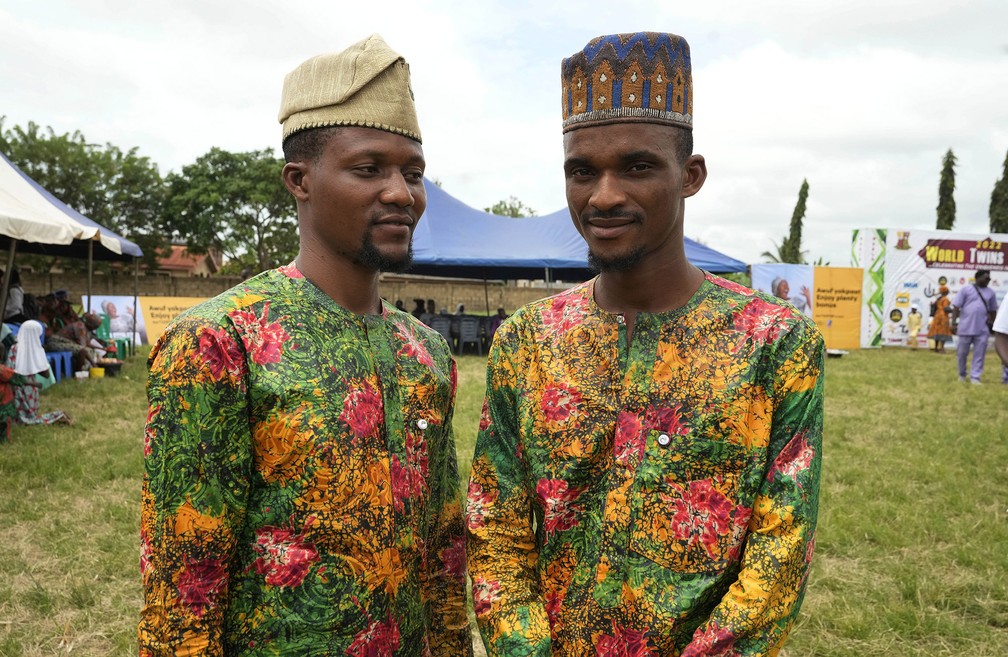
{"points": [[789, 249], [237, 204], [511, 207], [946, 187], [999, 203], [122, 191]]}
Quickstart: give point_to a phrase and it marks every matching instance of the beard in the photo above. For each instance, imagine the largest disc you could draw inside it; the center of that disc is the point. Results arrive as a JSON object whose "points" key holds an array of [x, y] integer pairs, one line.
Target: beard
{"points": [[370, 257], [617, 263]]}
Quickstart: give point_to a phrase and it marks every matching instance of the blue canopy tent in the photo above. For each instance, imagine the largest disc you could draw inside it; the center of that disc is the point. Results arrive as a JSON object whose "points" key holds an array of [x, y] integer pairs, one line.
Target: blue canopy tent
{"points": [[458, 241]]}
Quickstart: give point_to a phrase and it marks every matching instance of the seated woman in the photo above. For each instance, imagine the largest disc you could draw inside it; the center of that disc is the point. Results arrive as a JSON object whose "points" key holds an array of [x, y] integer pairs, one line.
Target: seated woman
{"points": [[28, 360], [66, 332]]}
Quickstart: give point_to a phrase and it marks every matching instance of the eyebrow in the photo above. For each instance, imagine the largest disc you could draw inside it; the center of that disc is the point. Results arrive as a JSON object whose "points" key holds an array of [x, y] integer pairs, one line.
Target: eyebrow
{"points": [[625, 158]]}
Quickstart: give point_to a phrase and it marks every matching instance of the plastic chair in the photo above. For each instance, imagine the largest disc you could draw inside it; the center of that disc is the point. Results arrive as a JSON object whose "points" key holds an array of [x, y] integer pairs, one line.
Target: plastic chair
{"points": [[442, 324], [61, 363], [103, 330], [470, 332]]}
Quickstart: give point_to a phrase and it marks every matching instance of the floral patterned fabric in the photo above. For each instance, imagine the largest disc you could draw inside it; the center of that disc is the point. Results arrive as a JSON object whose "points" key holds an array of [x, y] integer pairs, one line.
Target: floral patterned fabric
{"points": [[301, 494], [651, 497]]}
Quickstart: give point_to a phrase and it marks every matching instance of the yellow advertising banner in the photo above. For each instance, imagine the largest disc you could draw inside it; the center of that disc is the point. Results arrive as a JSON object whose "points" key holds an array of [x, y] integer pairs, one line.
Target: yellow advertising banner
{"points": [[838, 305], [159, 311]]}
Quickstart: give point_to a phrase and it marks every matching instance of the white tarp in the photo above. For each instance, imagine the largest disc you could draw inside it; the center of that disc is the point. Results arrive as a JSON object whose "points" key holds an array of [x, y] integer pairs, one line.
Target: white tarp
{"points": [[27, 215], [28, 212]]}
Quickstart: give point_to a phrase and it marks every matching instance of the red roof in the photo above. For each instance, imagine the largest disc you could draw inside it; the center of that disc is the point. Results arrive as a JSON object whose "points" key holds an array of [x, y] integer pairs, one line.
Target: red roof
{"points": [[181, 260]]}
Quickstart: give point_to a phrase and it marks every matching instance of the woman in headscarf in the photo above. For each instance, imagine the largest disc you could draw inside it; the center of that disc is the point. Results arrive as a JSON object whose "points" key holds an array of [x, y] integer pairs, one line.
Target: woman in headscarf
{"points": [[29, 360], [940, 329]]}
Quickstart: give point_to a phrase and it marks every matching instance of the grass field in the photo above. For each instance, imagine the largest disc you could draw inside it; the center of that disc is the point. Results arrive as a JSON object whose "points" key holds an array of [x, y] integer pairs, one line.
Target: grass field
{"points": [[912, 555]]}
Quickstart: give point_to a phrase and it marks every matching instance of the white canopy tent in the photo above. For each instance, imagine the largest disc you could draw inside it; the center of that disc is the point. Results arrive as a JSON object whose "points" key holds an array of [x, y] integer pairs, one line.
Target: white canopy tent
{"points": [[30, 215]]}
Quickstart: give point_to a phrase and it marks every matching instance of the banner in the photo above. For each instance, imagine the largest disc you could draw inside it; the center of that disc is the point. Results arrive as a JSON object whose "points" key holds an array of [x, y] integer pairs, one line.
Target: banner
{"points": [[159, 311], [831, 296], [918, 262], [794, 283], [838, 306], [120, 312], [868, 250]]}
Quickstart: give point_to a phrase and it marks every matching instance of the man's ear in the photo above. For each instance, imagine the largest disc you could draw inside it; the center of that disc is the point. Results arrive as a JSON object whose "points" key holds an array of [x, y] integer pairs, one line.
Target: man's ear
{"points": [[296, 176], [694, 175]]}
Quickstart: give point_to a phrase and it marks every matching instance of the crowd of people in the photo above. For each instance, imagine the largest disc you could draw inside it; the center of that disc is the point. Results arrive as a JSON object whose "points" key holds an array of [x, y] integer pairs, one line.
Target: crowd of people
{"points": [[32, 327]]}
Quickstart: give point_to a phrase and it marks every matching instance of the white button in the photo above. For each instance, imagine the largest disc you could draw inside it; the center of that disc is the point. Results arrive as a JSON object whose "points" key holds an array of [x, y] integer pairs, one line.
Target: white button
{"points": [[421, 424], [663, 439], [620, 319]]}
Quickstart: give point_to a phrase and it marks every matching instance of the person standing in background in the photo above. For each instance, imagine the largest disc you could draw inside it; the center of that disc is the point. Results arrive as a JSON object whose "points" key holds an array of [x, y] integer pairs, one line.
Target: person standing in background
{"points": [[973, 312]]}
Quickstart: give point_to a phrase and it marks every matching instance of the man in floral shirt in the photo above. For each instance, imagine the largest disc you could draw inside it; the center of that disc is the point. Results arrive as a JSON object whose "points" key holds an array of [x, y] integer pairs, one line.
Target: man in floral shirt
{"points": [[646, 475], [301, 489]]}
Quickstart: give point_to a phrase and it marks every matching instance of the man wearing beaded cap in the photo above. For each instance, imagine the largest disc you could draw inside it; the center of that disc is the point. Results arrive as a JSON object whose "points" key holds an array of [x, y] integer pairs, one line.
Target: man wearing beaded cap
{"points": [[301, 494], [646, 474]]}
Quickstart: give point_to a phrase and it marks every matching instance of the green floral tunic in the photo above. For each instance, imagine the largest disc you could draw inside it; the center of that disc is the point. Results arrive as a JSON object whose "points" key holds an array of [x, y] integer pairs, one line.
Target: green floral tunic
{"points": [[301, 489], [656, 497]]}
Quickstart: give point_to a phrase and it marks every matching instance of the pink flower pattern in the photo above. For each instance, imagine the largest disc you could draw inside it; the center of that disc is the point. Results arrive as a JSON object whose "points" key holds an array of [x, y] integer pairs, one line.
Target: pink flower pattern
{"points": [[284, 556], [559, 402], [363, 410], [485, 594], [796, 457], [560, 511], [378, 639], [200, 584], [712, 641], [702, 514], [479, 501], [263, 339]]}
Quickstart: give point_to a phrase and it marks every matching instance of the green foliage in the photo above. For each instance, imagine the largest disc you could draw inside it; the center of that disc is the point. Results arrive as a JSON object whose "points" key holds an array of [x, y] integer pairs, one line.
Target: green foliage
{"points": [[120, 190], [789, 249], [511, 207], [999, 203], [237, 204], [946, 188]]}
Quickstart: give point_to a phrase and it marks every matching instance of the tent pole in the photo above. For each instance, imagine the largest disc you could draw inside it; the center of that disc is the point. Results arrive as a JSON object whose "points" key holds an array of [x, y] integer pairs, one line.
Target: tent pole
{"points": [[90, 270], [7, 274], [486, 295], [134, 338]]}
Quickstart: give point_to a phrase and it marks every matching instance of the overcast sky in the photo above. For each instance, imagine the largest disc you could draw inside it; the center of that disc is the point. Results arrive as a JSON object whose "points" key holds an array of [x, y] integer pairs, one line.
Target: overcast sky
{"points": [[861, 97]]}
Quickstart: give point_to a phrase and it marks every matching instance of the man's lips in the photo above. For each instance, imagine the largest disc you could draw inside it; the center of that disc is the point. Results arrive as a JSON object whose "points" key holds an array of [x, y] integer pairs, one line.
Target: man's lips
{"points": [[609, 227]]}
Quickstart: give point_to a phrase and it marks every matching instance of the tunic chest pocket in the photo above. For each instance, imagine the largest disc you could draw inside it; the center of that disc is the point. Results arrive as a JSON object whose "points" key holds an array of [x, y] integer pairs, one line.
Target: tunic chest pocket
{"points": [[687, 514]]}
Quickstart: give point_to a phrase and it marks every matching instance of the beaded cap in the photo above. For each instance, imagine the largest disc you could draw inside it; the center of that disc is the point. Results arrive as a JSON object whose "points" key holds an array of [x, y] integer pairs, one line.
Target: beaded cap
{"points": [[617, 78]]}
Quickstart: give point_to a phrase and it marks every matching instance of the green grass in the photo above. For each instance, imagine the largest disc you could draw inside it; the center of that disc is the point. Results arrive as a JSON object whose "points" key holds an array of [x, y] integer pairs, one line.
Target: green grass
{"points": [[912, 555]]}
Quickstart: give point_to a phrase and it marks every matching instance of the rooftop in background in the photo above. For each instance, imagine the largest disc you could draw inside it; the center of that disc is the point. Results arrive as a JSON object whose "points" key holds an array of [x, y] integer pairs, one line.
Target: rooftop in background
{"points": [[183, 263]]}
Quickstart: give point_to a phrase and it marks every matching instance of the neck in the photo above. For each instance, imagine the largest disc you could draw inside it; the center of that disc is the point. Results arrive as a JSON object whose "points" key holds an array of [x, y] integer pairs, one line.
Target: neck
{"points": [[650, 289], [351, 286]]}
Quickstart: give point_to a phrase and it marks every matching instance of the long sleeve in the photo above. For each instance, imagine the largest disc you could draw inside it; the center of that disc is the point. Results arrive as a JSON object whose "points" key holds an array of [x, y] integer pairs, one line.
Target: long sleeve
{"points": [[449, 628], [501, 541], [756, 614], [198, 454]]}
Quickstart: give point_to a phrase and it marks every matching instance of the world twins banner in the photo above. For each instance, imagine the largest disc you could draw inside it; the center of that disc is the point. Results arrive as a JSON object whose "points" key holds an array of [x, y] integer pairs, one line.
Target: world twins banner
{"points": [[911, 265]]}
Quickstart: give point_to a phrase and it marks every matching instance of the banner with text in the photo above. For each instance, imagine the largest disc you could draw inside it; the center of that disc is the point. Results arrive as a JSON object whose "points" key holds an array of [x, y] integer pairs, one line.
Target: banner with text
{"points": [[160, 311], [918, 262], [831, 296]]}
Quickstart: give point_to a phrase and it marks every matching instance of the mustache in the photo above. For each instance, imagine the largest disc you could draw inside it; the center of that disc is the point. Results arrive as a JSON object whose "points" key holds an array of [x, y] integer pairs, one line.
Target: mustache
{"points": [[378, 216], [612, 214]]}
